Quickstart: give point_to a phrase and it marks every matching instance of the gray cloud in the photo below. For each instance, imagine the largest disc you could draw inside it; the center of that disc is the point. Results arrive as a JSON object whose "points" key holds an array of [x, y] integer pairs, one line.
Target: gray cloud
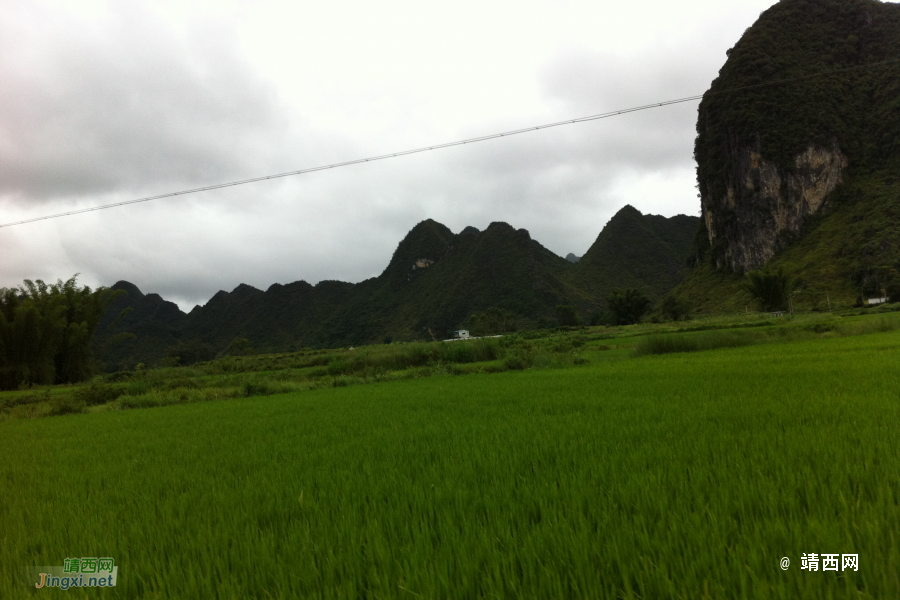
{"points": [[565, 183], [89, 110], [129, 107]]}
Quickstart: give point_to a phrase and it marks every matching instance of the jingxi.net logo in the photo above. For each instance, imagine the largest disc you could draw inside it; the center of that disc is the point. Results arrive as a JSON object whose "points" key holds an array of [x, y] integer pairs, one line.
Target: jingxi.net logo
{"points": [[78, 572]]}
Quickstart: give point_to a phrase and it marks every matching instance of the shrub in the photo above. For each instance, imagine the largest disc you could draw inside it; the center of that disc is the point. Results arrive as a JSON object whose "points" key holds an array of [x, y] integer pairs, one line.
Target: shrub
{"points": [[98, 393], [893, 292], [119, 377], [488, 349], [138, 387], [190, 352], [469, 351], [674, 308], [180, 382], [256, 388], [667, 344], [819, 327], [168, 362], [338, 366], [346, 381], [493, 321], [320, 360], [24, 399], [566, 316], [413, 355], [626, 307], [870, 325], [66, 405], [239, 347], [141, 401], [519, 359], [161, 398], [458, 352], [562, 345], [770, 289]]}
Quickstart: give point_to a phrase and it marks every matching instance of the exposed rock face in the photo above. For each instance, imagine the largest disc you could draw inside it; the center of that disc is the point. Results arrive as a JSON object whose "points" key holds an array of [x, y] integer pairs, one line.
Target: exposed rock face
{"points": [[775, 134], [764, 206]]}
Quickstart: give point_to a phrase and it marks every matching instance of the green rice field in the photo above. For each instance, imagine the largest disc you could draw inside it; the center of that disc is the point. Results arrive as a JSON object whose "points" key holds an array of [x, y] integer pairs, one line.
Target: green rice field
{"points": [[672, 474]]}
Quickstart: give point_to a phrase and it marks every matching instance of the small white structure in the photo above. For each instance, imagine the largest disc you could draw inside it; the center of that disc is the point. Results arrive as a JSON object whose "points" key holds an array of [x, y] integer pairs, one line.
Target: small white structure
{"points": [[463, 334], [877, 301]]}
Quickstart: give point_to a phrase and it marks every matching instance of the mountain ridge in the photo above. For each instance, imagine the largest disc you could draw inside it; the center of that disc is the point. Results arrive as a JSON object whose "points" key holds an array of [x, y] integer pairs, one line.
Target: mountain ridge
{"points": [[434, 282]]}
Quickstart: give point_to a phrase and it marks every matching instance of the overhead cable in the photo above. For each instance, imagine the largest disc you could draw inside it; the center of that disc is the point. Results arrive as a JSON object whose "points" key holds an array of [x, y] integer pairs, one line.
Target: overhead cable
{"points": [[482, 138]]}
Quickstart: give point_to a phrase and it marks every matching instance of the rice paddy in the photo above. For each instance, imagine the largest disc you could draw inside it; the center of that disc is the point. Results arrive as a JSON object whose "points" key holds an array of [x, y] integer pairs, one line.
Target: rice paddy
{"points": [[674, 475]]}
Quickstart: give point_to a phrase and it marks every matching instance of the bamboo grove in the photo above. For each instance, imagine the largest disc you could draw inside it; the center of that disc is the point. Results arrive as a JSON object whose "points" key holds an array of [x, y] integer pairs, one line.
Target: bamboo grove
{"points": [[47, 332]]}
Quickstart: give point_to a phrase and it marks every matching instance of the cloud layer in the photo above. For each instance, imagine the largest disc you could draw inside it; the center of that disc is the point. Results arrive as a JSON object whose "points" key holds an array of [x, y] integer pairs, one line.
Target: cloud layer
{"points": [[132, 99]]}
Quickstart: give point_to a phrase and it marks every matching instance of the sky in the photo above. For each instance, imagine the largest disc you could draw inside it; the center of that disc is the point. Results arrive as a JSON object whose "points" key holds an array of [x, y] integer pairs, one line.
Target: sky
{"points": [[107, 101]]}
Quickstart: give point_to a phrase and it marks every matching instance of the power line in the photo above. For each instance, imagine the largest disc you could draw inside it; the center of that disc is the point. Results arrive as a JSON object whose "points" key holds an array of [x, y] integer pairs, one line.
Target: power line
{"points": [[353, 162], [483, 138]]}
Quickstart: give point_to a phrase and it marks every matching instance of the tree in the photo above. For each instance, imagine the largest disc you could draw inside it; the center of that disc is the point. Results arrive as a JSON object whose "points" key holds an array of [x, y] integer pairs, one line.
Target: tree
{"points": [[493, 321], [567, 317], [239, 347], [626, 307], [189, 352], [893, 292], [47, 332], [770, 289], [674, 308]]}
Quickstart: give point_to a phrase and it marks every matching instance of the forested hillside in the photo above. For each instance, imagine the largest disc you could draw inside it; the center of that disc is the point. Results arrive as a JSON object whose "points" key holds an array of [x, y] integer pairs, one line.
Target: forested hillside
{"points": [[803, 175], [636, 251], [436, 281]]}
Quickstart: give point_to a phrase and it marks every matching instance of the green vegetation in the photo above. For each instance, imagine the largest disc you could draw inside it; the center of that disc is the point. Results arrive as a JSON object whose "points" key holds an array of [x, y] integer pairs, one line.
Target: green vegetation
{"points": [[848, 254], [567, 316], [47, 332], [238, 376], [850, 249], [240, 347], [646, 460], [261, 375], [493, 321], [637, 251], [494, 281], [708, 340], [190, 352], [771, 289], [675, 476], [626, 307], [675, 308], [856, 108], [711, 340]]}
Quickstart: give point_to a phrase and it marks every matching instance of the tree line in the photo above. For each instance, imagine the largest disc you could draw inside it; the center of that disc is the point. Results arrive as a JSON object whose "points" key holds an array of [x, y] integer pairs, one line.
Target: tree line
{"points": [[47, 332]]}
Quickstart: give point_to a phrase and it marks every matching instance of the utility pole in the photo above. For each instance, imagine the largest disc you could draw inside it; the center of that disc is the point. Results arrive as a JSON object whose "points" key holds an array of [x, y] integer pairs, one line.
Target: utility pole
{"points": [[827, 297]]}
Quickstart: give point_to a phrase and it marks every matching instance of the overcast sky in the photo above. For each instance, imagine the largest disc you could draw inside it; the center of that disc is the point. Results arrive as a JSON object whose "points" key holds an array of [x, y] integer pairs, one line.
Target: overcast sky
{"points": [[109, 101]]}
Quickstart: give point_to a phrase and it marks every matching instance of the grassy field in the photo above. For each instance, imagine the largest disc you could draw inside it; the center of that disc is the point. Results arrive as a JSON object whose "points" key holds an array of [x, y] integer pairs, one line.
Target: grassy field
{"points": [[310, 370], [676, 475]]}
